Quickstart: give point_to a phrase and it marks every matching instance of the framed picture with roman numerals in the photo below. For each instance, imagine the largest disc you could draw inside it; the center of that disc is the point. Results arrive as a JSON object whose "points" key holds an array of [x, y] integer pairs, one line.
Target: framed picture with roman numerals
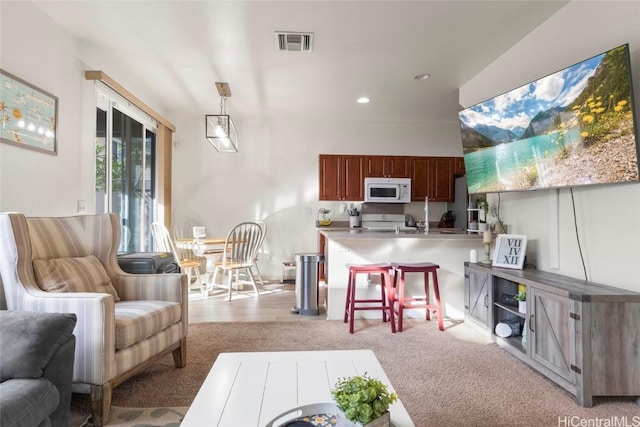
{"points": [[510, 251]]}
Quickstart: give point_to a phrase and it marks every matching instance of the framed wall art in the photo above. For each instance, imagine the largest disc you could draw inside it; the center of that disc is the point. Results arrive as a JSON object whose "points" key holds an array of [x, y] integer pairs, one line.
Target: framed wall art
{"points": [[28, 115], [510, 251]]}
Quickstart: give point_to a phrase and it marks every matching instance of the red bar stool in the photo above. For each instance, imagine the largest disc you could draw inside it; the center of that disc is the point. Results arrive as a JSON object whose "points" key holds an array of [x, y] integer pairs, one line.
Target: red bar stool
{"points": [[384, 303], [399, 270]]}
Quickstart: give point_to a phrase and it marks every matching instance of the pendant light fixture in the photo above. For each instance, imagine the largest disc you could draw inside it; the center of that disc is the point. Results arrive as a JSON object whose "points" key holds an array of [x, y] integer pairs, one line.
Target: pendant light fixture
{"points": [[219, 128]]}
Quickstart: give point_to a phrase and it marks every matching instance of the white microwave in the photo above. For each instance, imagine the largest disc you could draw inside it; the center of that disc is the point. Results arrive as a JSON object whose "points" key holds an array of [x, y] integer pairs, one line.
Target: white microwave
{"points": [[387, 190]]}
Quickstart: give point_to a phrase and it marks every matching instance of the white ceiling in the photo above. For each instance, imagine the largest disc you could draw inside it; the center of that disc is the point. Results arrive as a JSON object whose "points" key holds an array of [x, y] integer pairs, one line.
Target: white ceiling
{"points": [[178, 49]]}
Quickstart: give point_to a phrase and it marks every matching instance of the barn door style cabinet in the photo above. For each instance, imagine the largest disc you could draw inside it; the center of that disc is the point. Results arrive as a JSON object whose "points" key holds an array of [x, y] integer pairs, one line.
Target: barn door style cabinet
{"points": [[582, 335]]}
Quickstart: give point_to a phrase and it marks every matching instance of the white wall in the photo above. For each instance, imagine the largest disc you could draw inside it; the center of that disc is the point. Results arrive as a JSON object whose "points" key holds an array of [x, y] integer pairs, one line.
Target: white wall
{"points": [[44, 55], [36, 49], [608, 217]]}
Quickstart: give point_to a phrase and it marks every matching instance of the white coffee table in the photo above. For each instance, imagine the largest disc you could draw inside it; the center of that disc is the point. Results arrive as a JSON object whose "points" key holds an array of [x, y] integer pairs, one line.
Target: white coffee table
{"points": [[251, 389]]}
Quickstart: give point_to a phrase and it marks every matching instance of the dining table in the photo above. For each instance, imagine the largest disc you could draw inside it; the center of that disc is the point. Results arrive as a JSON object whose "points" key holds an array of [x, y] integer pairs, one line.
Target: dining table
{"points": [[211, 248], [202, 246]]}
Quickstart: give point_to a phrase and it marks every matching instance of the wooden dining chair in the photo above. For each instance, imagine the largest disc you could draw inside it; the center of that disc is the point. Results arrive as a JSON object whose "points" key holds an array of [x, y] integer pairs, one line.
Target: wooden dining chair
{"points": [[263, 226], [189, 264], [242, 243]]}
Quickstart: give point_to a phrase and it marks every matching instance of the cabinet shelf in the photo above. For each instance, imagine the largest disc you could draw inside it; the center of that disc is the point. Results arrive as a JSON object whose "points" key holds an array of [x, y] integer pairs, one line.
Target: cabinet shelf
{"points": [[512, 310], [511, 342]]}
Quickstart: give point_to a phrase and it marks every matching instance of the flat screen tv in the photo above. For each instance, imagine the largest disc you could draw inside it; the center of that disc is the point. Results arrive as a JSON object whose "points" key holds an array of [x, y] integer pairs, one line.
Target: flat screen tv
{"points": [[574, 127]]}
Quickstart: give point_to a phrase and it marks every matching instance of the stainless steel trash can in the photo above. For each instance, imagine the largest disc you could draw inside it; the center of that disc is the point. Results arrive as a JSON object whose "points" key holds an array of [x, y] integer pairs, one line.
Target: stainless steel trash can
{"points": [[307, 275]]}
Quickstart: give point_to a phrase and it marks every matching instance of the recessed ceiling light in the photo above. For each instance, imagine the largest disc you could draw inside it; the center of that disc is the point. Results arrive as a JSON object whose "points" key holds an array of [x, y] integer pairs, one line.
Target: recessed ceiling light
{"points": [[422, 76], [363, 100]]}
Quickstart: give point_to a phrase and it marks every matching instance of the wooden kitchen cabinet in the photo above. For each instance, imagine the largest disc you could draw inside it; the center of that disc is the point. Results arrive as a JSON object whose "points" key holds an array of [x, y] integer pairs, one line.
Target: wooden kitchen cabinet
{"points": [[388, 166], [322, 249], [441, 179], [582, 335], [458, 166], [341, 177], [432, 177]]}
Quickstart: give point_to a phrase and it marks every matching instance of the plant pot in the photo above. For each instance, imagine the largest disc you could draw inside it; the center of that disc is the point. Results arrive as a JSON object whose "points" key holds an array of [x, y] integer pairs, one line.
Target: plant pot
{"points": [[522, 306], [482, 226], [383, 421]]}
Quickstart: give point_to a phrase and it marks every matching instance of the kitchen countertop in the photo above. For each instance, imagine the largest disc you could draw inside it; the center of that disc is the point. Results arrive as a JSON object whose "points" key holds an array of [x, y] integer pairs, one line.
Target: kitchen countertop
{"points": [[434, 234]]}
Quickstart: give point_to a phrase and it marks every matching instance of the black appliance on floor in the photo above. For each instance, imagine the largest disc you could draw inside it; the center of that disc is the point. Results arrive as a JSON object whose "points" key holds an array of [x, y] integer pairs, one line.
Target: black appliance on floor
{"points": [[148, 262]]}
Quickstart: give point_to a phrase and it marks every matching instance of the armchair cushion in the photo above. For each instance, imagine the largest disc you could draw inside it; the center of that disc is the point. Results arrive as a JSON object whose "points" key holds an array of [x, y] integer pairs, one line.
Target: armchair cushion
{"points": [[81, 274], [137, 320]]}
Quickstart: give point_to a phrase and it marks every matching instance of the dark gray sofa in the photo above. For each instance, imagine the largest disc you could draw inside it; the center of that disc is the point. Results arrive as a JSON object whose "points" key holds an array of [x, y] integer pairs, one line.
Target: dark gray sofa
{"points": [[36, 368]]}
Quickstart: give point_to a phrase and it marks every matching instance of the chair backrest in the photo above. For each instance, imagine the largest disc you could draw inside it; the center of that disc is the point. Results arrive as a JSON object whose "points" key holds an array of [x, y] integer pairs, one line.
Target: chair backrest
{"points": [[242, 244], [163, 241], [23, 240]]}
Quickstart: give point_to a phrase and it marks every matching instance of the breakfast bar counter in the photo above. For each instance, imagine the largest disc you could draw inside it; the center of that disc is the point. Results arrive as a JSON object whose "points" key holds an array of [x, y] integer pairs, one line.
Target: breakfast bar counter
{"points": [[434, 234], [449, 248]]}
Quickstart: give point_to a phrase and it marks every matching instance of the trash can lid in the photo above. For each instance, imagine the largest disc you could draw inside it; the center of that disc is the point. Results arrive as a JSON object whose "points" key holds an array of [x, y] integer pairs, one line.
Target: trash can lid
{"points": [[310, 257]]}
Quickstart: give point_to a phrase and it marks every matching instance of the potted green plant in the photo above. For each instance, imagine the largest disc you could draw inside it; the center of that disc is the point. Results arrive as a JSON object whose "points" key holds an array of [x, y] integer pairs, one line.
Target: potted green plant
{"points": [[364, 400], [521, 297]]}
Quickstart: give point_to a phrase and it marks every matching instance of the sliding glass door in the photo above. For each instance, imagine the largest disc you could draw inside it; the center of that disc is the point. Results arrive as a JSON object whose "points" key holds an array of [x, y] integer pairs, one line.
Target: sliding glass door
{"points": [[126, 170]]}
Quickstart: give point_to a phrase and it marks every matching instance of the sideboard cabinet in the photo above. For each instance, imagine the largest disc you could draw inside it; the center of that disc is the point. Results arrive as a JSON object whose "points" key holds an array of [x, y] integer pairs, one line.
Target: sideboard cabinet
{"points": [[584, 336]]}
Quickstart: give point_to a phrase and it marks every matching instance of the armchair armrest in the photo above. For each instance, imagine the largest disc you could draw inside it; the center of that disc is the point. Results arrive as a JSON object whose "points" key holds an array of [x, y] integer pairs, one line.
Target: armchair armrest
{"points": [[161, 287], [94, 331]]}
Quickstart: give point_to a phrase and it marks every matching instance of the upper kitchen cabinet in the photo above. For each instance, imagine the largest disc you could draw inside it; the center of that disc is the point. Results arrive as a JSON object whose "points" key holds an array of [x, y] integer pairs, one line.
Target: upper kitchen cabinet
{"points": [[432, 177], [441, 179], [458, 167], [387, 166], [341, 177]]}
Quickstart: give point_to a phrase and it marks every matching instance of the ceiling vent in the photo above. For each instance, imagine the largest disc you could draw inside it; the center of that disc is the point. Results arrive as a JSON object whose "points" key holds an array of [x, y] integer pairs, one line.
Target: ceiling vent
{"points": [[294, 42]]}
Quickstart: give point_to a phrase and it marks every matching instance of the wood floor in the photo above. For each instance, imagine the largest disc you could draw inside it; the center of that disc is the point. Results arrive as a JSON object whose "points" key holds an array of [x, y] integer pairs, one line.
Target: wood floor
{"points": [[273, 304]]}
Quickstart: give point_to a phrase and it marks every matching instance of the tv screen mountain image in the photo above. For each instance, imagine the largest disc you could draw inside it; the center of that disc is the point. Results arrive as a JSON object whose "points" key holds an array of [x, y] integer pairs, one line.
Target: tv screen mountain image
{"points": [[573, 127]]}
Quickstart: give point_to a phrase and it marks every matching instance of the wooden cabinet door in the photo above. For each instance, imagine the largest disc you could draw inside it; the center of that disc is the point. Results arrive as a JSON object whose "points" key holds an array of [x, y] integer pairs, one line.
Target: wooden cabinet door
{"points": [[387, 166], [341, 177], [458, 168], [441, 179], [322, 245], [353, 178], [476, 295], [552, 332], [419, 178], [374, 166], [330, 182], [397, 167]]}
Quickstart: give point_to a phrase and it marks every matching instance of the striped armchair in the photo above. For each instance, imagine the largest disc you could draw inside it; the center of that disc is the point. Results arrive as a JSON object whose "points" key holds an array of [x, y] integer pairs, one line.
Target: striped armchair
{"points": [[114, 339]]}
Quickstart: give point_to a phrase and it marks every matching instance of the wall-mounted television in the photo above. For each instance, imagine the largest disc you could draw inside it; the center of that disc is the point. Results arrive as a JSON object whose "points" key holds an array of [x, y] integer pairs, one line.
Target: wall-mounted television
{"points": [[574, 127]]}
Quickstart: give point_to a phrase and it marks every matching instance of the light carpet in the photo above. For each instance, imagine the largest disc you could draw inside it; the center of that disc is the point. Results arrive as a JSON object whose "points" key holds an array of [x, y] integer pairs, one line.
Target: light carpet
{"points": [[450, 378]]}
